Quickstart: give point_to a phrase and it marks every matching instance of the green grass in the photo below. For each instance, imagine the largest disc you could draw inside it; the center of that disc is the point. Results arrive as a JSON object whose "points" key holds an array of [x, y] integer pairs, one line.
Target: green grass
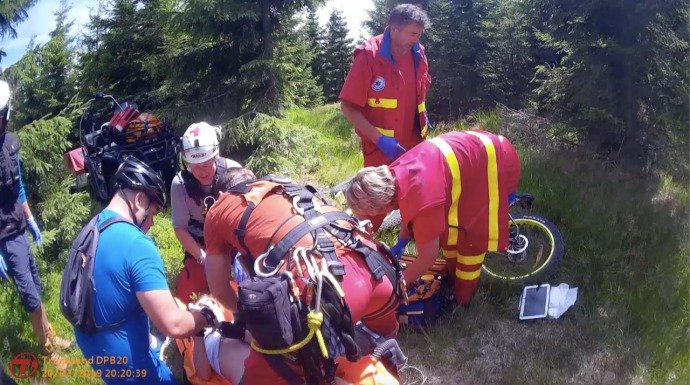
{"points": [[627, 250]]}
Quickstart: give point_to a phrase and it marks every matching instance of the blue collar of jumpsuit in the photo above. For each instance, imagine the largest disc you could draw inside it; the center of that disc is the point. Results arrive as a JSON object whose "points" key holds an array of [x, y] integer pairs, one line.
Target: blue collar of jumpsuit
{"points": [[387, 53]]}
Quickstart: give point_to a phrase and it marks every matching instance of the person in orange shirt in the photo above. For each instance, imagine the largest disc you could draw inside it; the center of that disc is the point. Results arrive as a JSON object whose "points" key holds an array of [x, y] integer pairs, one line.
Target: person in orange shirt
{"points": [[384, 93], [453, 192], [255, 218]]}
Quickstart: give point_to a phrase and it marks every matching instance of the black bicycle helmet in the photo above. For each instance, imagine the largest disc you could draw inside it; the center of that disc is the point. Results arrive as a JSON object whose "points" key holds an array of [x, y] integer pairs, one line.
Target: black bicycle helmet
{"points": [[137, 175]]}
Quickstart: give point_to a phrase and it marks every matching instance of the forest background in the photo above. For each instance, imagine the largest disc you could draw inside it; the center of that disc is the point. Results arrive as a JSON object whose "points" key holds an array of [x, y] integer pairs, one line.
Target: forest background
{"points": [[595, 94]]}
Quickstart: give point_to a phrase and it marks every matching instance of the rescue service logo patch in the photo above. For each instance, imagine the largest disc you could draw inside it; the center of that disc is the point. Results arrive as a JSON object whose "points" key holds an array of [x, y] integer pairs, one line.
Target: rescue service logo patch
{"points": [[379, 84]]}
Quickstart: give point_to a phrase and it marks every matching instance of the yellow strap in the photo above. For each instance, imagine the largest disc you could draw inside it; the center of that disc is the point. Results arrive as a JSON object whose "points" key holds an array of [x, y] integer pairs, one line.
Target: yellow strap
{"points": [[456, 189], [384, 132], [492, 174], [471, 259], [382, 103], [421, 107], [314, 321], [468, 275]]}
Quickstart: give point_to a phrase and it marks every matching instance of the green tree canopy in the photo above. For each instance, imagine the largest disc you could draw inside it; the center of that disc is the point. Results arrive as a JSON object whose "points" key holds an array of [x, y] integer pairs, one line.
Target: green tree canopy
{"points": [[338, 53]]}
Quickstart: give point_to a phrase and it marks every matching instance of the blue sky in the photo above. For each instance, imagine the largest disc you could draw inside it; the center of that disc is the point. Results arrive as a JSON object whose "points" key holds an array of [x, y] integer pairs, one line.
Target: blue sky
{"points": [[41, 21]]}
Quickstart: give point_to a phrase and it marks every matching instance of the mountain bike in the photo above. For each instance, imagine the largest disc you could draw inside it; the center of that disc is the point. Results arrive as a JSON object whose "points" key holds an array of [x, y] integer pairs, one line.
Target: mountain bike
{"points": [[535, 246]]}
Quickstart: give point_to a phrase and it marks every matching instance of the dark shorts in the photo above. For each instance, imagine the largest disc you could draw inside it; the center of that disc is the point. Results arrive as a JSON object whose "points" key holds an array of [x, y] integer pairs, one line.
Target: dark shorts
{"points": [[21, 267]]}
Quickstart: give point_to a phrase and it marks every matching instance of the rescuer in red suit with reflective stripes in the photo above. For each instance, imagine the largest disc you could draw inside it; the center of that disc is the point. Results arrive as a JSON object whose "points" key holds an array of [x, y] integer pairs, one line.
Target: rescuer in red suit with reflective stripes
{"points": [[452, 192], [384, 92]]}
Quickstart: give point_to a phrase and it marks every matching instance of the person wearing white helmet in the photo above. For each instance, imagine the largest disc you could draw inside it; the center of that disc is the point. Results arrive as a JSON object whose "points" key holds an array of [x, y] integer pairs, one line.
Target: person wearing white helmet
{"points": [[15, 254], [189, 189]]}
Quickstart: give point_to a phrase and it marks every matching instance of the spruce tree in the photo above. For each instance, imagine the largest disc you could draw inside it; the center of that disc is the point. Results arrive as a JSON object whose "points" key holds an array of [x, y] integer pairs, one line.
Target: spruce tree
{"points": [[12, 12], [453, 46], [614, 57], [506, 60], [315, 38], [338, 55], [44, 79], [297, 84], [123, 49]]}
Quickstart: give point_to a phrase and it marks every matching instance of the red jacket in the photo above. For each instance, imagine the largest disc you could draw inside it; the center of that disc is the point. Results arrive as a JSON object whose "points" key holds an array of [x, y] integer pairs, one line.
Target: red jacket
{"points": [[374, 84], [471, 174]]}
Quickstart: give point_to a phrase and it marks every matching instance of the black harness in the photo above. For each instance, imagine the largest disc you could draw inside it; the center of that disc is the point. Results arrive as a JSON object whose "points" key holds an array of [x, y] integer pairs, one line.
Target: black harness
{"points": [[12, 219], [194, 188], [319, 225]]}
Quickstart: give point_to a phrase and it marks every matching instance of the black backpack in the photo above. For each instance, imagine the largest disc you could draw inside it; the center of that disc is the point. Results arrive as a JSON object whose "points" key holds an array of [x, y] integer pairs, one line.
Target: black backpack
{"points": [[76, 289]]}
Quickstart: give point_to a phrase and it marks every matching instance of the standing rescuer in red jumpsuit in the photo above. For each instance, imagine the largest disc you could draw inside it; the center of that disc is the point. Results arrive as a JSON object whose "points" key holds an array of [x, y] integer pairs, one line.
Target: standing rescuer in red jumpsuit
{"points": [[452, 192], [384, 92]]}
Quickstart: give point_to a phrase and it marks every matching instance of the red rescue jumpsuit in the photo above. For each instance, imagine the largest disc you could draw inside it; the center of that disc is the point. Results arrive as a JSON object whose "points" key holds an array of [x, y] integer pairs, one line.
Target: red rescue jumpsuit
{"points": [[377, 84], [456, 187]]}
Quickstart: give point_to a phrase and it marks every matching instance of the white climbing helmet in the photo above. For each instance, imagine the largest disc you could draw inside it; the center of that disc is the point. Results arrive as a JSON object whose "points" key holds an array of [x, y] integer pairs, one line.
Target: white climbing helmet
{"points": [[4, 99], [200, 143]]}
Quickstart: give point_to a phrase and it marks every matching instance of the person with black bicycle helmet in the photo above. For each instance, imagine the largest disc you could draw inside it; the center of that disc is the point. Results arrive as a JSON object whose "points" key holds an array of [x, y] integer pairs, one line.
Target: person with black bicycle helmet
{"points": [[132, 287], [137, 176]]}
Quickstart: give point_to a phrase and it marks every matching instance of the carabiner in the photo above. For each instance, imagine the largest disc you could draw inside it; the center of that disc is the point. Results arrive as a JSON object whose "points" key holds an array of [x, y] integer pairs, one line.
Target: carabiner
{"points": [[299, 210], [259, 263]]}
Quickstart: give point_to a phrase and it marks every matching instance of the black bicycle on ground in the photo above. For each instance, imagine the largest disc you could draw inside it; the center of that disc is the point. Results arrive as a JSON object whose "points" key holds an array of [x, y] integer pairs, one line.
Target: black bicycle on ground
{"points": [[535, 246]]}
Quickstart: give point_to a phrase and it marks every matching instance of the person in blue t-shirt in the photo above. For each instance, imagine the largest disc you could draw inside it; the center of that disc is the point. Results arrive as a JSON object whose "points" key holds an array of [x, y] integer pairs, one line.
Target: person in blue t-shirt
{"points": [[130, 286]]}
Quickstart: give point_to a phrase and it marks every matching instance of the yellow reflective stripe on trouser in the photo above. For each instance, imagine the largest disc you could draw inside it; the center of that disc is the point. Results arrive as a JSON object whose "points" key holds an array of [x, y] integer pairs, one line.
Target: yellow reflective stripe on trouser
{"points": [[471, 259], [382, 103], [465, 260], [456, 189], [468, 275], [492, 175], [384, 132], [421, 107]]}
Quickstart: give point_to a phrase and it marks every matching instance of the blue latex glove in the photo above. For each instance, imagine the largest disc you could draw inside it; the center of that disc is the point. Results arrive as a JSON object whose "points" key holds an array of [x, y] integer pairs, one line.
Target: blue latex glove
{"points": [[35, 231], [399, 247], [3, 268], [390, 147], [238, 271]]}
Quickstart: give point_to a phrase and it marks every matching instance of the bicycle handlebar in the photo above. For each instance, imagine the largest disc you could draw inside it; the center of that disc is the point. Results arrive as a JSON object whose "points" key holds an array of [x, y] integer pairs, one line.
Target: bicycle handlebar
{"points": [[523, 200]]}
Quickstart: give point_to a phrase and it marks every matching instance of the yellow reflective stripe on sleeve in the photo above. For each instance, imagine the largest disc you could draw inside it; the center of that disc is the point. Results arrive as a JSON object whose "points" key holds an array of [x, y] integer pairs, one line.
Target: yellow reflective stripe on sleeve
{"points": [[454, 167], [449, 253], [424, 131], [468, 275], [471, 260], [492, 174], [421, 107], [382, 103], [384, 132]]}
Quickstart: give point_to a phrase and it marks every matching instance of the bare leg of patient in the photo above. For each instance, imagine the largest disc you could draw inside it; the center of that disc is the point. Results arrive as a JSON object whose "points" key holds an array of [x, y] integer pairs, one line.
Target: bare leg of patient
{"points": [[233, 353]]}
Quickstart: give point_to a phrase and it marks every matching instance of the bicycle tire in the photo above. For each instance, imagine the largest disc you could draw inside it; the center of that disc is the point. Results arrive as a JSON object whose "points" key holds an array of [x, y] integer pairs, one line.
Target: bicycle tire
{"points": [[340, 187], [540, 232], [392, 220]]}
